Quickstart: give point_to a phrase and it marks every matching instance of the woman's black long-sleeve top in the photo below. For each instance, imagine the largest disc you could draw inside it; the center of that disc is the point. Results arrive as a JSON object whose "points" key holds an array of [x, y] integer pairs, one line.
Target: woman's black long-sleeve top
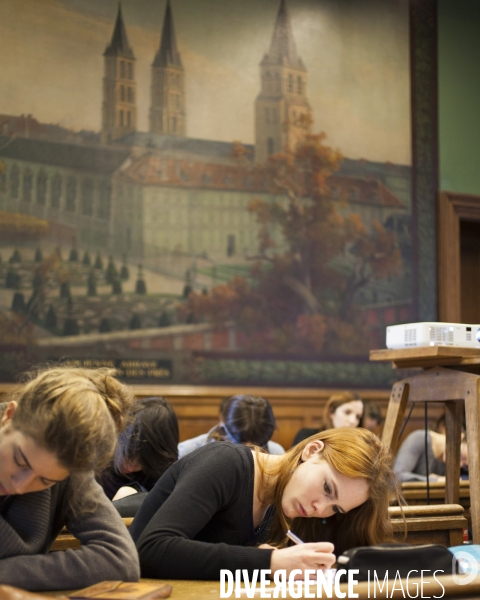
{"points": [[198, 519]]}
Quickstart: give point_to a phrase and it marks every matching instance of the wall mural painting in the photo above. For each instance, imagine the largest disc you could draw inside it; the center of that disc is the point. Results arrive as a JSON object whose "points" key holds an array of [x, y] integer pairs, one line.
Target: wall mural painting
{"points": [[205, 192]]}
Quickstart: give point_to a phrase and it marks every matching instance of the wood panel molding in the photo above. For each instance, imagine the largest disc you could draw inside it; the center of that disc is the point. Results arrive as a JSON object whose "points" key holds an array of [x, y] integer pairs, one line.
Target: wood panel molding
{"points": [[452, 208], [197, 406]]}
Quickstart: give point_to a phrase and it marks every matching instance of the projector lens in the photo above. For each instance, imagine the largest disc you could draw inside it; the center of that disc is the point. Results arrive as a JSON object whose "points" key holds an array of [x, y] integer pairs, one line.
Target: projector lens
{"points": [[478, 334]]}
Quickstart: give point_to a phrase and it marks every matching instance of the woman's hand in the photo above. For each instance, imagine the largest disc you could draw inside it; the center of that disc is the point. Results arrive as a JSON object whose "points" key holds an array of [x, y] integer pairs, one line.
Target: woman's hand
{"points": [[303, 556], [267, 547]]}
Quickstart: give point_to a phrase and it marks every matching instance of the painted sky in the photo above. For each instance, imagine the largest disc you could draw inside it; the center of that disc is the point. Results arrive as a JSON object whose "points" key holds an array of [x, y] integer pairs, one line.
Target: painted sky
{"points": [[355, 51]]}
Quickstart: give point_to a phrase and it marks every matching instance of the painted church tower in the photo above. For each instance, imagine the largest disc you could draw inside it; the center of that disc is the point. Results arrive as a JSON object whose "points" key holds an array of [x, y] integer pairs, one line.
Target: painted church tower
{"points": [[119, 111], [167, 104], [281, 108]]}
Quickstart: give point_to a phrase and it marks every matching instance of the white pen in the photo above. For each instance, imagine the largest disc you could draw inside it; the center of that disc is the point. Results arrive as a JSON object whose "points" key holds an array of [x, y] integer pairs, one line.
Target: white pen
{"points": [[294, 538]]}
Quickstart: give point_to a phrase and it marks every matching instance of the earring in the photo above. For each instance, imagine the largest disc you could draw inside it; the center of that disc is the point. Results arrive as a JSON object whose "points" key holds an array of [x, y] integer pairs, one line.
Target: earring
{"points": [[324, 521]]}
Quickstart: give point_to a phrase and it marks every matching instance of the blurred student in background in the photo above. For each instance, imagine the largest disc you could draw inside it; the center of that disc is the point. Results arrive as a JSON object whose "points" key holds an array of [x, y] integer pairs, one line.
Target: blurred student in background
{"points": [[412, 458], [145, 449], [244, 419], [372, 415], [343, 409]]}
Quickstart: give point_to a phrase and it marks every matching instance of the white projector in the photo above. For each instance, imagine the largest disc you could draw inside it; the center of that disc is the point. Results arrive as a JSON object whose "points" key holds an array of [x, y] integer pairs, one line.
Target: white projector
{"points": [[413, 335]]}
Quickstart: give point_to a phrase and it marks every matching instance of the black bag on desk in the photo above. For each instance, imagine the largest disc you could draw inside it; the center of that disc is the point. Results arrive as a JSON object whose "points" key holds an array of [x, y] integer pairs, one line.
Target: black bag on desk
{"points": [[396, 557]]}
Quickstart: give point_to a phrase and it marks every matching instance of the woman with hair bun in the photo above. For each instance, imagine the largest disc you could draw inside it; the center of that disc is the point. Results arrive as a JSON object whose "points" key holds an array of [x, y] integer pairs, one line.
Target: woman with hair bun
{"points": [[56, 430], [228, 506], [244, 419]]}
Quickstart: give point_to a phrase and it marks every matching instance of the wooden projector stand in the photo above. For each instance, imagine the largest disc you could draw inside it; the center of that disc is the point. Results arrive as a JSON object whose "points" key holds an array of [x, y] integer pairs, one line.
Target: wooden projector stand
{"points": [[451, 375]]}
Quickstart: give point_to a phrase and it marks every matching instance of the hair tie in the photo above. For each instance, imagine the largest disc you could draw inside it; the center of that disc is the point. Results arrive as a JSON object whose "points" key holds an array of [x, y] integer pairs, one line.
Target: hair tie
{"points": [[229, 435]]}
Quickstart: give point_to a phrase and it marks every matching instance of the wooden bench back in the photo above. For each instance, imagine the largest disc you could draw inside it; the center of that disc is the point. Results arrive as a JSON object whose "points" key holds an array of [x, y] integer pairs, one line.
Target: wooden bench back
{"points": [[415, 492], [442, 524]]}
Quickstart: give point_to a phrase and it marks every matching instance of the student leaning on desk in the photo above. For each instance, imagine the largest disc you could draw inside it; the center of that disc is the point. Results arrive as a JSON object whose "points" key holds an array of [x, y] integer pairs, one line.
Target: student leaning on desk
{"points": [[54, 431], [227, 506]]}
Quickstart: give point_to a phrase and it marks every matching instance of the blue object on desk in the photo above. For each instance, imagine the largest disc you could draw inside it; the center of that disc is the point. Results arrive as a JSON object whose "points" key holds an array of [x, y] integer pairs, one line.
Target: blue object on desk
{"points": [[466, 564]]}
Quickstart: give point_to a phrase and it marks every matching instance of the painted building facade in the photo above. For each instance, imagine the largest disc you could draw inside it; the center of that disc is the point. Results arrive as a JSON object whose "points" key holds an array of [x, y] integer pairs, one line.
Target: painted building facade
{"points": [[162, 194]]}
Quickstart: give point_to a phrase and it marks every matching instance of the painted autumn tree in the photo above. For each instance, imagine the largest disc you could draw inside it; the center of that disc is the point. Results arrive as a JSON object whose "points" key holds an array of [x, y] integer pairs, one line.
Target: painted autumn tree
{"points": [[16, 328], [301, 293], [50, 269]]}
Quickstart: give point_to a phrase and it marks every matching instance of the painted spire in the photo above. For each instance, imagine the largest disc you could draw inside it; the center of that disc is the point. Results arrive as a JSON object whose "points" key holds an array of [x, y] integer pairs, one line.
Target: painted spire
{"points": [[119, 45], [283, 50], [167, 53]]}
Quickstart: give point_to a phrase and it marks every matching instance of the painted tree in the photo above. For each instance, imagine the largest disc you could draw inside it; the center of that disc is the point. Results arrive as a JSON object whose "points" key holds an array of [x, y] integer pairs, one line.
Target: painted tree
{"points": [[15, 328], [73, 256], [51, 318], [105, 326], [16, 257], [135, 322], [98, 262], [140, 285], [111, 273], [12, 279], [18, 303], [311, 262], [86, 260], [91, 284], [49, 271], [124, 271], [116, 287], [70, 326]]}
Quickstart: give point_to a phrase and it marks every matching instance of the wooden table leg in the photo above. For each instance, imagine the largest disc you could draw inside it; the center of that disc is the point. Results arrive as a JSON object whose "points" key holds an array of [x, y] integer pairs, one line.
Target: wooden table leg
{"points": [[453, 425], [395, 413], [472, 412]]}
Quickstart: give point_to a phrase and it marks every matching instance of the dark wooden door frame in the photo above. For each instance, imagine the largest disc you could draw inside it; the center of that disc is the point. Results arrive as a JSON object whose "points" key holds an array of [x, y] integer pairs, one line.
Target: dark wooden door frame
{"points": [[452, 209]]}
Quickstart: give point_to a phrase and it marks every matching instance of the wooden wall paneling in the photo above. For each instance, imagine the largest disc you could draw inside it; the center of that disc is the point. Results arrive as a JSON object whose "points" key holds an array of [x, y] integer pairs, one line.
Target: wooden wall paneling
{"points": [[452, 208], [293, 408], [470, 271], [197, 406]]}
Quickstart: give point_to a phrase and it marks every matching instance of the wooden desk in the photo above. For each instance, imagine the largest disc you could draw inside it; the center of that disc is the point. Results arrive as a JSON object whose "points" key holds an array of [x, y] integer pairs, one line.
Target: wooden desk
{"points": [[452, 387], [210, 590], [415, 492], [65, 540]]}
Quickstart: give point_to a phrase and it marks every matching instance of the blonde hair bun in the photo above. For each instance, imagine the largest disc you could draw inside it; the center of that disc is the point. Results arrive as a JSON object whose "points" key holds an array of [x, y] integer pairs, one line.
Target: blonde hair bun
{"points": [[74, 413]]}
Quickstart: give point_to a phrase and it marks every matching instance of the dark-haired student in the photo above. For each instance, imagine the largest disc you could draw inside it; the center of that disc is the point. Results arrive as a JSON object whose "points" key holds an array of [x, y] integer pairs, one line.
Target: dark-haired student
{"points": [[145, 449], [54, 431], [227, 506], [244, 419]]}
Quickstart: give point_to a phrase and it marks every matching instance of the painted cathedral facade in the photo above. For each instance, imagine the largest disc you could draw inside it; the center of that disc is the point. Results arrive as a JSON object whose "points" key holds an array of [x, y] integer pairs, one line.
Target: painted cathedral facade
{"points": [[161, 194]]}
